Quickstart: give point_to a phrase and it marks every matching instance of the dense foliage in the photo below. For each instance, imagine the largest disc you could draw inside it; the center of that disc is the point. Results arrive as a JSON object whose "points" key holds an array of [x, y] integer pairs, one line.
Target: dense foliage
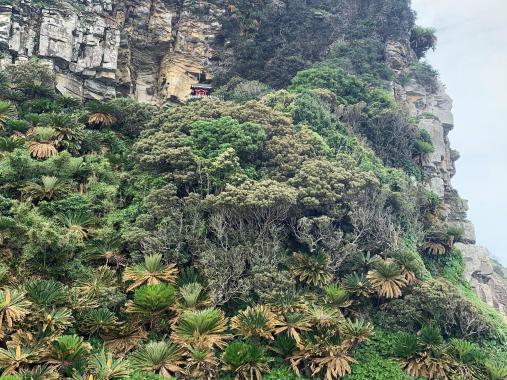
{"points": [[282, 234]]}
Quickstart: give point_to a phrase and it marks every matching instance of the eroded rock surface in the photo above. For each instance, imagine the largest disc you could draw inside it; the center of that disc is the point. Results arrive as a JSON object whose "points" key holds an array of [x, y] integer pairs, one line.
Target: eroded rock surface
{"points": [[152, 50], [433, 110]]}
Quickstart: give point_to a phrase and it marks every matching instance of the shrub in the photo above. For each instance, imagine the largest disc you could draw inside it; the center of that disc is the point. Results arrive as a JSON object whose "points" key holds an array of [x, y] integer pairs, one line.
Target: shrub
{"points": [[422, 40]]}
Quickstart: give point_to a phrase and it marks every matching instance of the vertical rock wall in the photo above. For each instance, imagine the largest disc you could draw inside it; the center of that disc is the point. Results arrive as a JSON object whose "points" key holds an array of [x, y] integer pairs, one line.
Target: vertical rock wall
{"points": [[152, 50], [433, 112]]}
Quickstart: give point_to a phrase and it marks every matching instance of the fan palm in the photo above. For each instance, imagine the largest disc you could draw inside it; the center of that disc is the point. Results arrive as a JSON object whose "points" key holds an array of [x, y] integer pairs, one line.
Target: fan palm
{"points": [[99, 321], [358, 284], [149, 300], [255, 322], [150, 272], [246, 360], [13, 306], [68, 352], [104, 367], [7, 112], [312, 270], [164, 358], [50, 187], [43, 144], [387, 279], [201, 328], [15, 357], [293, 324]]}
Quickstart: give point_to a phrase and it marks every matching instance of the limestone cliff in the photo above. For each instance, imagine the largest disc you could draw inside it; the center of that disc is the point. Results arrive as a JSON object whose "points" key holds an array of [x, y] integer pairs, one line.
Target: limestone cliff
{"points": [[433, 110], [152, 50]]}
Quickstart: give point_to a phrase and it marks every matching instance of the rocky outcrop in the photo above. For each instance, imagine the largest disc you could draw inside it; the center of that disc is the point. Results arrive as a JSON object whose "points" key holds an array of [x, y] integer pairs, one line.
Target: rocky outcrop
{"points": [[151, 50], [433, 111]]}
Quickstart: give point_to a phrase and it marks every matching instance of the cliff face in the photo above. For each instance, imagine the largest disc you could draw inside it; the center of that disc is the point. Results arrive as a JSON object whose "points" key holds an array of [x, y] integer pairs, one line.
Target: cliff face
{"points": [[433, 110], [151, 50]]}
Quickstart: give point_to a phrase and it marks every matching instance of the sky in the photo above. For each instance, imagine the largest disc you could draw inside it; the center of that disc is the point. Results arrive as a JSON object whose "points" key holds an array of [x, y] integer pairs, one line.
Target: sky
{"points": [[471, 57]]}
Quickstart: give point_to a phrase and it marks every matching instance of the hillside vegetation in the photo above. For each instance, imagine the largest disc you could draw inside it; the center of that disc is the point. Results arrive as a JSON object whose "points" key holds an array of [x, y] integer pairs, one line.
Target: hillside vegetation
{"points": [[282, 233]]}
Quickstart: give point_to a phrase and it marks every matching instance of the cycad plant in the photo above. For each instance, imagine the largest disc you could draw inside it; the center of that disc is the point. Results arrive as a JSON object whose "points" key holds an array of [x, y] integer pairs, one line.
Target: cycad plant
{"points": [[39, 372], [68, 352], [496, 371], [49, 187], [152, 271], [100, 114], [7, 112], [355, 332], [202, 328], [76, 223], [255, 322], [97, 284], [311, 269], [328, 361], [8, 144], [192, 296], [293, 325], [357, 284], [43, 144], [13, 307], [150, 300], [387, 279], [104, 367], [69, 133], [337, 296], [17, 357], [46, 293], [470, 357], [409, 265], [247, 361], [425, 355], [124, 338], [164, 358], [99, 321], [201, 363]]}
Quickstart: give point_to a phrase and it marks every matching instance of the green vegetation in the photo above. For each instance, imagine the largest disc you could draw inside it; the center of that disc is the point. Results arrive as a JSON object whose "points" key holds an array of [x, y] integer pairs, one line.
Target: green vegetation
{"points": [[277, 234]]}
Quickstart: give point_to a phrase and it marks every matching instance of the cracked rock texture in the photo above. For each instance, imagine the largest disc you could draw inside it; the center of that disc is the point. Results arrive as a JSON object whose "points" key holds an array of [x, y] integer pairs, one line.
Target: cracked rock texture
{"points": [[433, 110], [151, 50]]}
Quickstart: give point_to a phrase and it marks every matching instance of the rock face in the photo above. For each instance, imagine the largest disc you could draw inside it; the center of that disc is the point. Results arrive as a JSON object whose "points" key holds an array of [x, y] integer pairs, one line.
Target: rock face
{"points": [[433, 110], [151, 50]]}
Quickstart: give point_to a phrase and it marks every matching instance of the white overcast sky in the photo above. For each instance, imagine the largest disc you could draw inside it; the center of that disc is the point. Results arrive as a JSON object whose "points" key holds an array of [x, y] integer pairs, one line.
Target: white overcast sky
{"points": [[472, 60]]}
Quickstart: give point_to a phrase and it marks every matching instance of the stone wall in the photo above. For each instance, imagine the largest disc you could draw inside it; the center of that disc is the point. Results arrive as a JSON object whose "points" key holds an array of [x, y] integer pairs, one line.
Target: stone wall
{"points": [[433, 110], [151, 50]]}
